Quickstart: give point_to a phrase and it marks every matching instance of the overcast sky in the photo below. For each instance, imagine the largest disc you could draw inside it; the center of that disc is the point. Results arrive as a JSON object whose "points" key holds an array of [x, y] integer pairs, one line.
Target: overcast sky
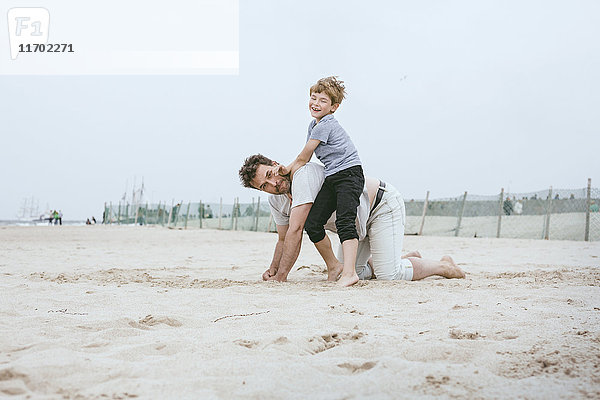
{"points": [[445, 96]]}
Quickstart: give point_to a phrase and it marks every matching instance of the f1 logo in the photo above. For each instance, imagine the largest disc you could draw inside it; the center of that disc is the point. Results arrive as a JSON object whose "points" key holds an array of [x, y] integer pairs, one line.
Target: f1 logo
{"points": [[27, 26]]}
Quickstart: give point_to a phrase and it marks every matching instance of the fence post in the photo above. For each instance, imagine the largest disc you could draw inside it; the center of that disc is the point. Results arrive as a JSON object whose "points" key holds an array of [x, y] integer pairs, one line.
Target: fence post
{"points": [[158, 214], [119, 215], [236, 212], [424, 213], [548, 211], [201, 212], [110, 212], [187, 215], [232, 214], [462, 210], [137, 212], [170, 213], [257, 215], [270, 222], [127, 213], [500, 212], [220, 210], [146, 215], [588, 204]]}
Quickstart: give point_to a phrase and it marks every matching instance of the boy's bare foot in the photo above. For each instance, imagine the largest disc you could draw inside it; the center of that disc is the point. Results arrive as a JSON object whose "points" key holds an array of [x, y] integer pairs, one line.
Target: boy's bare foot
{"points": [[414, 253], [450, 269], [347, 280], [334, 273]]}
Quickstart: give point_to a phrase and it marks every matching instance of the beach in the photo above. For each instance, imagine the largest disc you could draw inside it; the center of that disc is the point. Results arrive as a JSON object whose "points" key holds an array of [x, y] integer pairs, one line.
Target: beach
{"points": [[94, 312]]}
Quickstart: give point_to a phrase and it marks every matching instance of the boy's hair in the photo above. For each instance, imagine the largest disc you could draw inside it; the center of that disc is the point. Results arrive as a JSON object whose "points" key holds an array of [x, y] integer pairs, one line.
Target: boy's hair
{"points": [[248, 171], [332, 87]]}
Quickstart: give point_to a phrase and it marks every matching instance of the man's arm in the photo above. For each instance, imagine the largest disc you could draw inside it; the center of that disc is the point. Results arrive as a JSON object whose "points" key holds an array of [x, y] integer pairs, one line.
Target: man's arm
{"points": [[281, 231], [292, 241]]}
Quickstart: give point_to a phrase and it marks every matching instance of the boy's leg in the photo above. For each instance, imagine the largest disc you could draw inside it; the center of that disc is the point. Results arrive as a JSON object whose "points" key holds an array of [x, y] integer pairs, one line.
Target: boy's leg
{"points": [[319, 213], [321, 210], [364, 267], [349, 277], [349, 185], [334, 266]]}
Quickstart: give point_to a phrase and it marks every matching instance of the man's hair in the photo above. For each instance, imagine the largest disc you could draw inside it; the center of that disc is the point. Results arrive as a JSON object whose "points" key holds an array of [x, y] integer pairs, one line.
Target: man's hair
{"points": [[332, 87], [248, 170]]}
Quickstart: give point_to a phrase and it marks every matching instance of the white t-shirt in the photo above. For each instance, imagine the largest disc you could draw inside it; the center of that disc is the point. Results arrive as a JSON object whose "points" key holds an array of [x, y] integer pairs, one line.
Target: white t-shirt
{"points": [[306, 184]]}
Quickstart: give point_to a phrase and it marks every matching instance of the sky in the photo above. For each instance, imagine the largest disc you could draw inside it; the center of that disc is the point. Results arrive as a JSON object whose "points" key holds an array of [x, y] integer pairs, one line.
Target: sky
{"points": [[445, 96]]}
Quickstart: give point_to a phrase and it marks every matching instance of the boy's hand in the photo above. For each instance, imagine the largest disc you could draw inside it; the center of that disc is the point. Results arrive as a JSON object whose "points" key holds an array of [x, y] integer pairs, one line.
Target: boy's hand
{"points": [[282, 170]]}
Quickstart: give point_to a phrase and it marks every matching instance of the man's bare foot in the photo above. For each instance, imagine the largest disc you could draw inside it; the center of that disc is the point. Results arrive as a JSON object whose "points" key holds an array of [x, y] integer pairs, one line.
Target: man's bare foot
{"points": [[347, 280], [414, 253], [334, 273], [451, 270], [370, 262]]}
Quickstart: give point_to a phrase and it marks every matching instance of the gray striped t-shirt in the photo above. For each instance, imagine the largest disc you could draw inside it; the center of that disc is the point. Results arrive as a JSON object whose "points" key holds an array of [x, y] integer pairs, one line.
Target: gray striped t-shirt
{"points": [[336, 151]]}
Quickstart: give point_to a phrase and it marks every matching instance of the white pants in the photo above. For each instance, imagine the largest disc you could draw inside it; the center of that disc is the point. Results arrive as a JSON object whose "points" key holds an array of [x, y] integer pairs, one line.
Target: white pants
{"points": [[385, 233]]}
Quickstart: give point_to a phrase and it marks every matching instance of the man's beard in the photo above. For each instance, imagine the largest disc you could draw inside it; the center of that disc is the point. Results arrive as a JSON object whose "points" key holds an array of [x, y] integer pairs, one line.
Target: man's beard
{"points": [[284, 187]]}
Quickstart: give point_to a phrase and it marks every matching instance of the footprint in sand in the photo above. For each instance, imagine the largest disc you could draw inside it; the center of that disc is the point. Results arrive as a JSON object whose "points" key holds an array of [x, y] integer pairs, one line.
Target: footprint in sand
{"points": [[281, 340], [150, 320], [321, 343], [315, 344], [458, 334], [358, 368], [13, 383], [246, 343]]}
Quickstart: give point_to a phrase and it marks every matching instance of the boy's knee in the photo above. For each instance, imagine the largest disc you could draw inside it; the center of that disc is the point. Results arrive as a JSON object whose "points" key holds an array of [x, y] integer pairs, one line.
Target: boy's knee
{"points": [[315, 234], [315, 231]]}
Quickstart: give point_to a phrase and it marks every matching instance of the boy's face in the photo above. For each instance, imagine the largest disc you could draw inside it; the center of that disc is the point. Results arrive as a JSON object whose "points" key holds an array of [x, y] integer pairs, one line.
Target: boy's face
{"points": [[320, 105]]}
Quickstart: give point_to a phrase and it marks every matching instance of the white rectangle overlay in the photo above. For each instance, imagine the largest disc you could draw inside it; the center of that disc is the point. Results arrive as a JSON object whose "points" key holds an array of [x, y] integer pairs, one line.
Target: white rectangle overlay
{"points": [[131, 37]]}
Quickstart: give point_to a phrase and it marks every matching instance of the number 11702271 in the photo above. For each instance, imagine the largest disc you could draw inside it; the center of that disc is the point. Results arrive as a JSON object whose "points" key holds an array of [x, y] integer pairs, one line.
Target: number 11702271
{"points": [[46, 48]]}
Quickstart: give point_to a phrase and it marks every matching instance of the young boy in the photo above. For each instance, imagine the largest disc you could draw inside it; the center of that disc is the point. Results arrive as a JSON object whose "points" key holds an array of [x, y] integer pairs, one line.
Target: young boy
{"points": [[344, 179]]}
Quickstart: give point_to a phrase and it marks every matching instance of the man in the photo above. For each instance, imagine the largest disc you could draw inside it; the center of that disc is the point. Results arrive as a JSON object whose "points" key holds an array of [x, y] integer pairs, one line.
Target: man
{"points": [[380, 225]]}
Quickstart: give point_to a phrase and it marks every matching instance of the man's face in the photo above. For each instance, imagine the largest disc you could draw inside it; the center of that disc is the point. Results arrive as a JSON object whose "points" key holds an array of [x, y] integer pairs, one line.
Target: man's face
{"points": [[267, 180], [320, 105]]}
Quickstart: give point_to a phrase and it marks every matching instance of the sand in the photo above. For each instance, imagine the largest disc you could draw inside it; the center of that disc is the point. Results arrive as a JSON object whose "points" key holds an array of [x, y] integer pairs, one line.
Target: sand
{"points": [[146, 312]]}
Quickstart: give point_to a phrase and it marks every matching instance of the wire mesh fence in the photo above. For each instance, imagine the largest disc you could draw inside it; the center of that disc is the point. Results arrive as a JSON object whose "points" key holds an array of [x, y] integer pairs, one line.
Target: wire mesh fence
{"points": [[564, 214], [254, 216]]}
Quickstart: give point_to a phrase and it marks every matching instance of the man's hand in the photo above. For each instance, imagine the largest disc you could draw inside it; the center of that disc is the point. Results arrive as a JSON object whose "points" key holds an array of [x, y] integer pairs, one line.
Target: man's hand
{"points": [[268, 274], [278, 278]]}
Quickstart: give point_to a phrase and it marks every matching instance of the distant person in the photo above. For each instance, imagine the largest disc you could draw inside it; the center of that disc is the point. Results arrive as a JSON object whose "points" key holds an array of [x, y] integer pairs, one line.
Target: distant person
{"points": [[556, 197], [104, 217], [87, 222], [55, 217], [175, 211], [60, 215], [594, 206], [572, 197], [507, 206], [518, 207], [93, 220]]}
